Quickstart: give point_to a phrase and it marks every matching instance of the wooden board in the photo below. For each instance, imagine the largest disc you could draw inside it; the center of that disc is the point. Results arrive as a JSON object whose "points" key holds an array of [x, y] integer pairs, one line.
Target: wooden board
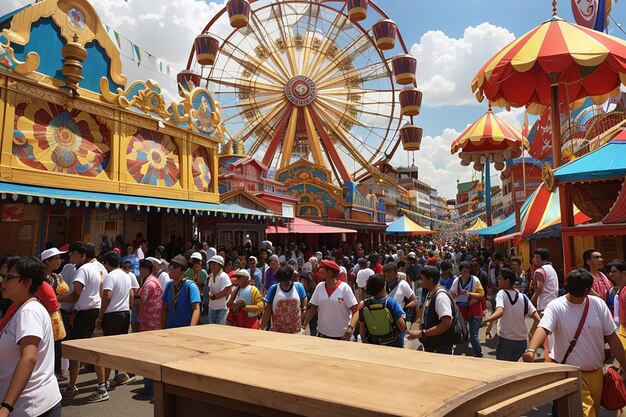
{"points": [[304, 375], [141, 353], [372, 354], [311, 385]]}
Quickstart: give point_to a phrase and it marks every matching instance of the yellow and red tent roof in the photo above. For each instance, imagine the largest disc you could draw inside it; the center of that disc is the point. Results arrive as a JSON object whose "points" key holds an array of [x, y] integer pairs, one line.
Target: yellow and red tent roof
{"points": [[584, 62], [543, 211], [490, 132], [406, 226]]}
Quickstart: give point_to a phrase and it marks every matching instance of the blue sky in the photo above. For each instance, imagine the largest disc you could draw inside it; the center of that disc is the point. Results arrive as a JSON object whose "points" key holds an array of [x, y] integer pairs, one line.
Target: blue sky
{"points": [[450, 38]]}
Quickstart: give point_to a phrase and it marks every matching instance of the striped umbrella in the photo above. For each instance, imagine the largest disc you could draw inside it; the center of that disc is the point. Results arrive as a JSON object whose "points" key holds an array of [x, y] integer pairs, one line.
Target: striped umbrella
{"points": [[488, 137], [555, 61]]}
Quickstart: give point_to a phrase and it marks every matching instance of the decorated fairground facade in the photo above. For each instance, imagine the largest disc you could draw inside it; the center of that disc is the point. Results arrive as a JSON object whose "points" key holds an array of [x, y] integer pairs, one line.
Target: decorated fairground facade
{"points": [[86, 156]]}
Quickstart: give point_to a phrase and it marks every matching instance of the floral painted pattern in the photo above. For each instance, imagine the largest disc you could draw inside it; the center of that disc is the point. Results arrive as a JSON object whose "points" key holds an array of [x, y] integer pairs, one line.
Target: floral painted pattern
{"points": [[152, 159], [201, 170], [51, 138]]}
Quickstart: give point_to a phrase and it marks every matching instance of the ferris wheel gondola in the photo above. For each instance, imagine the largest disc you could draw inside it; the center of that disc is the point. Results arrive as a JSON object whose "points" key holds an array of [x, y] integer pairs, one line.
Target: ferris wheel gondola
{"points": [[315, 80]]}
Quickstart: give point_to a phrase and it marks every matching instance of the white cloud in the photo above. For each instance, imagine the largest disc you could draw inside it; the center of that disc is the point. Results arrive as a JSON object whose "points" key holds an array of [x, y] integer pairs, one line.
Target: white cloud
{"points": [[8, 6], [447, 65], [163, 28]]}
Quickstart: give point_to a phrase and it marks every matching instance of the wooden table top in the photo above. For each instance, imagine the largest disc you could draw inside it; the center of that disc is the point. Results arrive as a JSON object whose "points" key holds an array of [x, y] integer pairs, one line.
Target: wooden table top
{"points": [[307, 375]]}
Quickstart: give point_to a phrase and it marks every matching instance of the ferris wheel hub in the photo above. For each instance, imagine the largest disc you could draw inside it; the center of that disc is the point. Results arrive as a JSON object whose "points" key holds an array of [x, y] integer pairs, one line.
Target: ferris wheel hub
{"points": [[300, 91]]}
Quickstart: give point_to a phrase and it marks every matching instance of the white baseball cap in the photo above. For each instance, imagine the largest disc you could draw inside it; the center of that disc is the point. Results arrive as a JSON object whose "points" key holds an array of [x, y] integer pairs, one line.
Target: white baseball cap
{"points": [[49, 253], [242, 273], [217, 259], [196, 255], [153, 260]]}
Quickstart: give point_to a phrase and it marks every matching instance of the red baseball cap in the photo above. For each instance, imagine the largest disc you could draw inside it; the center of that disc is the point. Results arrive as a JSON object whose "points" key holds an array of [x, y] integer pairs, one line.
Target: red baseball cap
{"points": [[329, 264]]}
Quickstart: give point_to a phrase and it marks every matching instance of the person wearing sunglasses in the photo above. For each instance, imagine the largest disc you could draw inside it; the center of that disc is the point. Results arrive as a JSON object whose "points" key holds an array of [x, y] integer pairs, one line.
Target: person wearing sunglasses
{"points": [[28, 386]]}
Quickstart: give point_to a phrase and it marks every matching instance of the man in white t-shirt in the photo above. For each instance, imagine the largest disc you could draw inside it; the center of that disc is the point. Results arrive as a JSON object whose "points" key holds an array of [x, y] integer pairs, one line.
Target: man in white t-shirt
{"points": [[219, 287], [546, 280], [562, 318], [335, 303], [361, 279], [436, 314], [511, 310], [114, 316], [86, 298], [397, 288]]}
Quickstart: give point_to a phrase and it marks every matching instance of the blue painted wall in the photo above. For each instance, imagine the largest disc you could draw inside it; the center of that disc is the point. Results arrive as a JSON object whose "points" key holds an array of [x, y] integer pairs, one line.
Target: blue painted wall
{"points": [[46, 36]]}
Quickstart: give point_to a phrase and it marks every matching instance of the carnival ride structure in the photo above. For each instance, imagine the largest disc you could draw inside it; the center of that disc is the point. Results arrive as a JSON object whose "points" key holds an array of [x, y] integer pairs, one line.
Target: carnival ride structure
{"points": [[322, 93]]}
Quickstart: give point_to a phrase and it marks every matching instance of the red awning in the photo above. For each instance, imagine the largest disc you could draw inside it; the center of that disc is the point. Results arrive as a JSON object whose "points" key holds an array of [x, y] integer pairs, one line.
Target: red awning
{"points": [[276, 230], [298, 225], [618, 211]]}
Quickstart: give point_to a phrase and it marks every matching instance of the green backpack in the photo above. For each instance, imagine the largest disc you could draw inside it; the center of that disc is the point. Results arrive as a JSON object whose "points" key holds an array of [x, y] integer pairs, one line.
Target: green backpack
{"points": [[381, 329]]}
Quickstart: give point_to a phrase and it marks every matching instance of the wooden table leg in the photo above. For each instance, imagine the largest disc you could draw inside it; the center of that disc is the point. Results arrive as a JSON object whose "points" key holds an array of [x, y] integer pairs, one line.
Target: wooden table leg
{"points": [[164, 403], [571, 404]]}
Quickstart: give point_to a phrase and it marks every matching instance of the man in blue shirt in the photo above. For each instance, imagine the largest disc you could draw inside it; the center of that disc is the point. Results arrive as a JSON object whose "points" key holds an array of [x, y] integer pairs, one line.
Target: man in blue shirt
{"points": [[181, 297]]}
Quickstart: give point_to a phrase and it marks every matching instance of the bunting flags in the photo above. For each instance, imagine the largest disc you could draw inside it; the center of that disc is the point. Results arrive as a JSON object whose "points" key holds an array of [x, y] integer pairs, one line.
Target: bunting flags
{"points": [[135, 53]]}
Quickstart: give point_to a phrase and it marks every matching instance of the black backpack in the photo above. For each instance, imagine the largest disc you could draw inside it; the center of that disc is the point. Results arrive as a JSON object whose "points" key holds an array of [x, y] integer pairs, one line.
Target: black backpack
{"points": [[456, 334]]}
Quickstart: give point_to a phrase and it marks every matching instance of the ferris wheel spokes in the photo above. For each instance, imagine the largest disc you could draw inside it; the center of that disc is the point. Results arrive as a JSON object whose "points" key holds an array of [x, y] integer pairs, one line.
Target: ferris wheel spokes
{"points": [[250, 64], [344, 58], [356, 76], [341, 135], [269, 47]]}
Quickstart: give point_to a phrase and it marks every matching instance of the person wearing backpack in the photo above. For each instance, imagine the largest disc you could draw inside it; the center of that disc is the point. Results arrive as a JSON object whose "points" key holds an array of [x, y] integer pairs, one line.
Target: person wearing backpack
{"points": [[437, 314], [511, 309], [381, 318], [468, 293]]}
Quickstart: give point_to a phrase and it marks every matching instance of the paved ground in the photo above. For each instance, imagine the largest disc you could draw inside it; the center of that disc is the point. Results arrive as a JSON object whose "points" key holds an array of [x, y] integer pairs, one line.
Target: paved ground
{"points": [[127, 401]]}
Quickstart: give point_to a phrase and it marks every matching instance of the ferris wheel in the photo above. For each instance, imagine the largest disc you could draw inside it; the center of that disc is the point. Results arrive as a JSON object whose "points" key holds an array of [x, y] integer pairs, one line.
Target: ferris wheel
{"points": [[318, 80]]}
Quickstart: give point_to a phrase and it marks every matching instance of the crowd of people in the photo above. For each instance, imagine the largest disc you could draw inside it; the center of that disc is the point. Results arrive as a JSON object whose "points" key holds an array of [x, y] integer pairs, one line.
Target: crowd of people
{"points": [[439, 294]]}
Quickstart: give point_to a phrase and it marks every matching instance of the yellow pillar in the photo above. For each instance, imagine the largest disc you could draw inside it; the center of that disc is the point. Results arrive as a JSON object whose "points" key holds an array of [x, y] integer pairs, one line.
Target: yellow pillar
{"points": [[7, 115]]}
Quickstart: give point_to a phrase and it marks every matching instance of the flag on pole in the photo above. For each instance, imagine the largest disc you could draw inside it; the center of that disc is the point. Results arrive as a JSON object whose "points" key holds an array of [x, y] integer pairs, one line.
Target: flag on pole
{"points": [[138, 53]]}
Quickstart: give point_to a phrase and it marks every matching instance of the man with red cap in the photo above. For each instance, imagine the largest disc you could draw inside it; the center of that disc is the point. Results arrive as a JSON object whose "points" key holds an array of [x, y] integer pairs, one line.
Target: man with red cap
{"points": [[335, 304]]}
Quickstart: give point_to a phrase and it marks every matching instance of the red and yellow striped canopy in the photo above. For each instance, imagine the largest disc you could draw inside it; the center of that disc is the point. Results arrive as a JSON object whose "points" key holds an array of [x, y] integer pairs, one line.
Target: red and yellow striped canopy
{"points": [[584, 63], [543, 211], [489, 133]]}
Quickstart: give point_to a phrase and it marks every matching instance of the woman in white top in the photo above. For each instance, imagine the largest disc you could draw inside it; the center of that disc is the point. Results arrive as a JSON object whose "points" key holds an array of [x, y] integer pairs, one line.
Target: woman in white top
{"points": [[28, 386], [512, 307]]}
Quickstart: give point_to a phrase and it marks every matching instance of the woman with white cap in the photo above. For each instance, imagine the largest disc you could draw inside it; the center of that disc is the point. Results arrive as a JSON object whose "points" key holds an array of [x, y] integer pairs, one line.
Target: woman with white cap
{"points": [[51, 259], [245, 303]]}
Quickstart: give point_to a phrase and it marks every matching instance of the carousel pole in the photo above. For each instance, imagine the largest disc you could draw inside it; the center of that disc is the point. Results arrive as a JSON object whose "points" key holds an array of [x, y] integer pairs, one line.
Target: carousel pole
{"points": [[564, 200], [488, 191]]}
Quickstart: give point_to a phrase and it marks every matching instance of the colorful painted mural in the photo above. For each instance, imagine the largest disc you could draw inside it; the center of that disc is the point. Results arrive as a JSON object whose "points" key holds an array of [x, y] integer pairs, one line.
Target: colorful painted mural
{"points": [[153, 159], [52, 138], [201, 169], [303, 170]]}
